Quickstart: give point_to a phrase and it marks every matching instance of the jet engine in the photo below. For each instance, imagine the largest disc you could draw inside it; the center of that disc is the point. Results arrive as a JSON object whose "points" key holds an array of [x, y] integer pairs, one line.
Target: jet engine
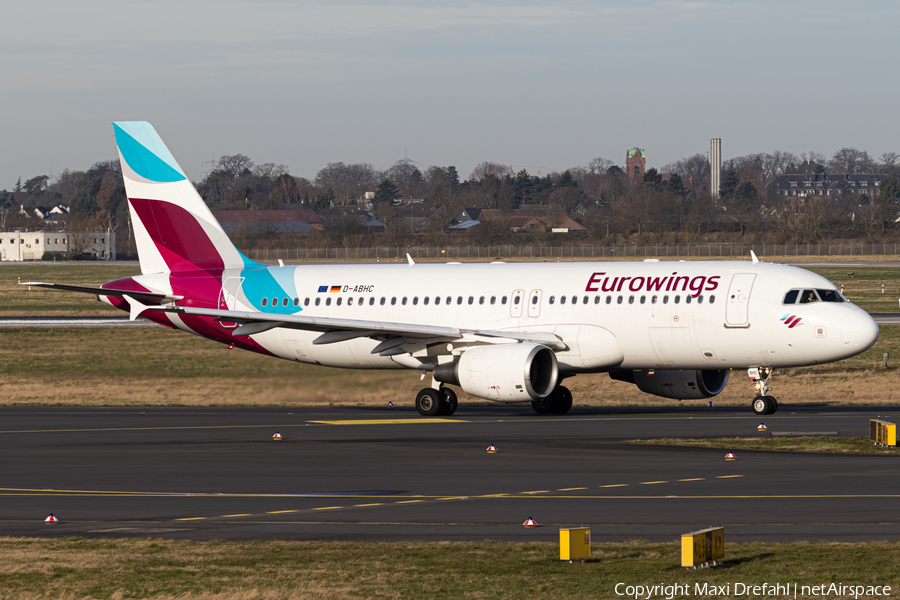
{"points": [[693, 384], [506, 372]]}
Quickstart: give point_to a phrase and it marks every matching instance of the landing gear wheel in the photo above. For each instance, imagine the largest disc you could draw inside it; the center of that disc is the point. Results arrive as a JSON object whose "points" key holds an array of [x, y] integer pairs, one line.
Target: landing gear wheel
{"points": [[760, 405], [564, 400], [774, 404], [545, 405], [450, 402], [429, 402]]}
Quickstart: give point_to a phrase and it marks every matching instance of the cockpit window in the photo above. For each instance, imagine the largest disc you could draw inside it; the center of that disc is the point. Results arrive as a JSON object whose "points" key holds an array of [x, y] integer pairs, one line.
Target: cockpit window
{"points": [[791, 297], [807, 296], [830, 296]]}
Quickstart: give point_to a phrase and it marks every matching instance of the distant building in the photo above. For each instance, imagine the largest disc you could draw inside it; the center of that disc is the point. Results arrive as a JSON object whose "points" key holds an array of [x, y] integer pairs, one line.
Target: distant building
{"points": [[268, 221], [823, 184], [635, 163], [22, 245]]}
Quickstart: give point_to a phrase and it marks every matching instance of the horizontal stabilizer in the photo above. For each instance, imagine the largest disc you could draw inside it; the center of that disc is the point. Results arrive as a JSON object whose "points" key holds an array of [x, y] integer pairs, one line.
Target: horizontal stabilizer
{"points": [[145, 296]]}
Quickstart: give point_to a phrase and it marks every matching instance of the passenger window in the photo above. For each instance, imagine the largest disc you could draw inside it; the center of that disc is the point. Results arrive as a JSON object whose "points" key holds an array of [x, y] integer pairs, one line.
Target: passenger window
{"points": [[372, 301], [574, 299], [653, 300], [361, 300], [552, 299], [274, 301], [688, 299], [791, 297], [317, 301], [562, 299], [829, 296], [265, 301], [630, 299], [585, 300], [349, 301], [383, 300], [403, 302], [712, 299], [503, 300], [449, 300], [285, 302], [339, 301], [699, 299], [677, 299], [808, 296], [425, 300], [493, 299], [516, 300], [534, 300], [296, 301], [459, 299], [665, 299], [306, 302], [471, 300], [327, 301], [596, 299], [619, 300], [393, 301], [481, 300], [415, 300], [609, 299], [643, 299]]}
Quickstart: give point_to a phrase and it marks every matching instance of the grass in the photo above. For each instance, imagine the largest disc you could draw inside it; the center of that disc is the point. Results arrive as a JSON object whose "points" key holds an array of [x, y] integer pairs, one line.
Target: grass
{"points": [[143, 568], [817, 445]]}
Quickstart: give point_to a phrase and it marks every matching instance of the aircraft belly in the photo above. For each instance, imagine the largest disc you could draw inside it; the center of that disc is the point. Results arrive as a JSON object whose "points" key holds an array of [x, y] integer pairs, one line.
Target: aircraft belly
{"points": [[293, 344]]}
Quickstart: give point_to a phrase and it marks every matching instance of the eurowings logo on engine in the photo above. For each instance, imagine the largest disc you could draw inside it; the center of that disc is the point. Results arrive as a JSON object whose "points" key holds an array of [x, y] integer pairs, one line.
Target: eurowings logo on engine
{"points": [[791, 320]]}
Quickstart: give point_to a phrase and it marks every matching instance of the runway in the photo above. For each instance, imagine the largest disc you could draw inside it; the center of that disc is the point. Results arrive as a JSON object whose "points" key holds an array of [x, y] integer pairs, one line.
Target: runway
{"points": [[385, 474]]}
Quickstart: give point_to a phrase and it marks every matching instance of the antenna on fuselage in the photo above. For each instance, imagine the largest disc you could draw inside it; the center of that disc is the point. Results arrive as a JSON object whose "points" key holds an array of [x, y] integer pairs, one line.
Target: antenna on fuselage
{"points": [[753, 256]]}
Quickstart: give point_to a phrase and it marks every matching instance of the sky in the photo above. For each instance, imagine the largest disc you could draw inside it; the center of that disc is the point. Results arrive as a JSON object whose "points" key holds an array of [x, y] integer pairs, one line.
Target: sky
{"points": [[537, 86]]}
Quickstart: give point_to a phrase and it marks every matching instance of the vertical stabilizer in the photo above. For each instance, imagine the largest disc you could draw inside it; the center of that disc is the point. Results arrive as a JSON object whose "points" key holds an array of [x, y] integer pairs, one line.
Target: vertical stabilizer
{"points": [[174, 229]]}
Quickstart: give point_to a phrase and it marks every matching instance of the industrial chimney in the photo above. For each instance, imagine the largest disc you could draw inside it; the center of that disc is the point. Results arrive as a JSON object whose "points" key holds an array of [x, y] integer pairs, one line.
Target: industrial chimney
{"points": [[715, 166]]}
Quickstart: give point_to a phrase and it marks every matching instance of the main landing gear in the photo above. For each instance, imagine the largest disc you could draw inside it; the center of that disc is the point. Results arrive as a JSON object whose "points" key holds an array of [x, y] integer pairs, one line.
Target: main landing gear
{"points": [[431, 402], [558, 402], [762, 404]]}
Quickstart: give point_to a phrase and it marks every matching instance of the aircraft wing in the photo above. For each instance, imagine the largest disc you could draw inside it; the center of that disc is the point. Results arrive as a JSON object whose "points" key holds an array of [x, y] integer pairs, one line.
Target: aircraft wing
{"points": [[144, 296], [339, 330]]}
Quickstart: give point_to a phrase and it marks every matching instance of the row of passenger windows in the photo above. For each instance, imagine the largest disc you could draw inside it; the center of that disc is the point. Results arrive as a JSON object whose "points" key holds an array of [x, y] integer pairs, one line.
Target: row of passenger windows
{"points": [[426, 300]]}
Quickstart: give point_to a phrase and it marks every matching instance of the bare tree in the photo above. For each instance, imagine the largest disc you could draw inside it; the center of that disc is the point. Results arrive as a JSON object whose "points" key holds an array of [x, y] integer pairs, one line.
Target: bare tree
{"points": [[235, 165], [270, 171], [408, 179], [487, 169], [598, 166], [852, 161], [696, 167], [348, 182]]}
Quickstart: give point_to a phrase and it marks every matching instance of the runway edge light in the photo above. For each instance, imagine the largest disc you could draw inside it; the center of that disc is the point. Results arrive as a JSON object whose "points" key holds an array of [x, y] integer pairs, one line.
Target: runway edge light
{"points": [[51, 520], [711, 405], [529, 522], [277, 436], [390, 404], [730, 456], [762, 427], [492, 449]]}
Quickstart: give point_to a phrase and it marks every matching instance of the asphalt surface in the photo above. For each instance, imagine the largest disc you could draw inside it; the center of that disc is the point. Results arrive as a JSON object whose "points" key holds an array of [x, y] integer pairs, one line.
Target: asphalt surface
{"points": [[388, 474]]}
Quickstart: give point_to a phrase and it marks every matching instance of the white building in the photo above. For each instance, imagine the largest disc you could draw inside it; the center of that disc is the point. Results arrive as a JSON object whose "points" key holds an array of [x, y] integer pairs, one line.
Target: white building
{"points": [[22, 245]]}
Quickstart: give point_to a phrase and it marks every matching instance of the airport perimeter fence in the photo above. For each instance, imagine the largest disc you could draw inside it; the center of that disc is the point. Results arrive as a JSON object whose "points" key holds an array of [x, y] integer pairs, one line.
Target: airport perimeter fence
{"points": [[508, 251]]}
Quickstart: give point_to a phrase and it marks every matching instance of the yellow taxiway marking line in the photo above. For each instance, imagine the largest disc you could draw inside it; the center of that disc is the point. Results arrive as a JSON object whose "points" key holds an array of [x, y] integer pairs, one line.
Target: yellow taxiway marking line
{"points": [[408, 501], [373, 504], [280, 425], [327, 508], [569, 489], [453, 498], [694, 479], [387, 421], [651, 482], [279, 512], [728, 476], [192, 519], [241, 515], [614, 485], [536, 492]]}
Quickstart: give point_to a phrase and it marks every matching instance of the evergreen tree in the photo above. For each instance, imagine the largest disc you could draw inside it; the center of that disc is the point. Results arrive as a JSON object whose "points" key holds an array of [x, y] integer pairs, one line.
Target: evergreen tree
{"points": [[652, 178], [729, 184], [889, 190], [566, 180], [386, 192], [83, 205], [676, 185]]}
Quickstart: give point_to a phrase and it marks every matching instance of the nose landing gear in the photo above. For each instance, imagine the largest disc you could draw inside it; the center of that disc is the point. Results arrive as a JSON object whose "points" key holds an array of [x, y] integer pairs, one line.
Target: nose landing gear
{"points": [[762, 404]]}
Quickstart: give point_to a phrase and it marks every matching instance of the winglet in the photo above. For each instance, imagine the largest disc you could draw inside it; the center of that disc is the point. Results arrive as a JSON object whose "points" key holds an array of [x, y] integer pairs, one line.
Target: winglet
{"points": [[409, 258], [136, 307], [753, 255]]}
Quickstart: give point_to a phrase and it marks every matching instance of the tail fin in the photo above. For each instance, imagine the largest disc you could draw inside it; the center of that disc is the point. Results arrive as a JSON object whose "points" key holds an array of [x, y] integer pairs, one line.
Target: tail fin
{"points": [[173, 228]]}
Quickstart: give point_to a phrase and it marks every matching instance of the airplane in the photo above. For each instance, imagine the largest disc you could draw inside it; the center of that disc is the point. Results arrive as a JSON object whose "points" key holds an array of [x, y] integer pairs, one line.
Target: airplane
{"points": [[510, 333]]}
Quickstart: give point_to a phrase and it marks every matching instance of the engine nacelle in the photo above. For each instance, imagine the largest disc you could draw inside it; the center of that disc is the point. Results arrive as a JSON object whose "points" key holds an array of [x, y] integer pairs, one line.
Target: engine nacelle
{"points": [[506, 372], [694, 384]]}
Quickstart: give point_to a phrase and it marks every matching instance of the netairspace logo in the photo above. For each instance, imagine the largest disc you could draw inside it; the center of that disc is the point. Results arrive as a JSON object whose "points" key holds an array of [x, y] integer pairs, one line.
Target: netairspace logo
{"points": [[745, 590]]}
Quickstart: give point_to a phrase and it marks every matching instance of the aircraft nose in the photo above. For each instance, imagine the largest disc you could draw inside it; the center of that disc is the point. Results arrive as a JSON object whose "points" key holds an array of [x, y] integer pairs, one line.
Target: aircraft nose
{"points": [[860, 331]]}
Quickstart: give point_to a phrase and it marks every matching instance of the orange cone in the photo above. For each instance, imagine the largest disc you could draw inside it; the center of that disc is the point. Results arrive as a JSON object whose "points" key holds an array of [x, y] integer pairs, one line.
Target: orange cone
{"points": [[51, 520], [277, 436], [492, 449], [529, 522], [762, 427], [729, 456]]}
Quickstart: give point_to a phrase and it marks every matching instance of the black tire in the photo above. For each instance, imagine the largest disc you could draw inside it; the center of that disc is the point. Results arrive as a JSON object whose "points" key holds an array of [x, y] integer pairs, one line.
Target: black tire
{"points": [[450, 402], [564, 400], [545, 405], [760, 405], [774, 403], [429, 402]]}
